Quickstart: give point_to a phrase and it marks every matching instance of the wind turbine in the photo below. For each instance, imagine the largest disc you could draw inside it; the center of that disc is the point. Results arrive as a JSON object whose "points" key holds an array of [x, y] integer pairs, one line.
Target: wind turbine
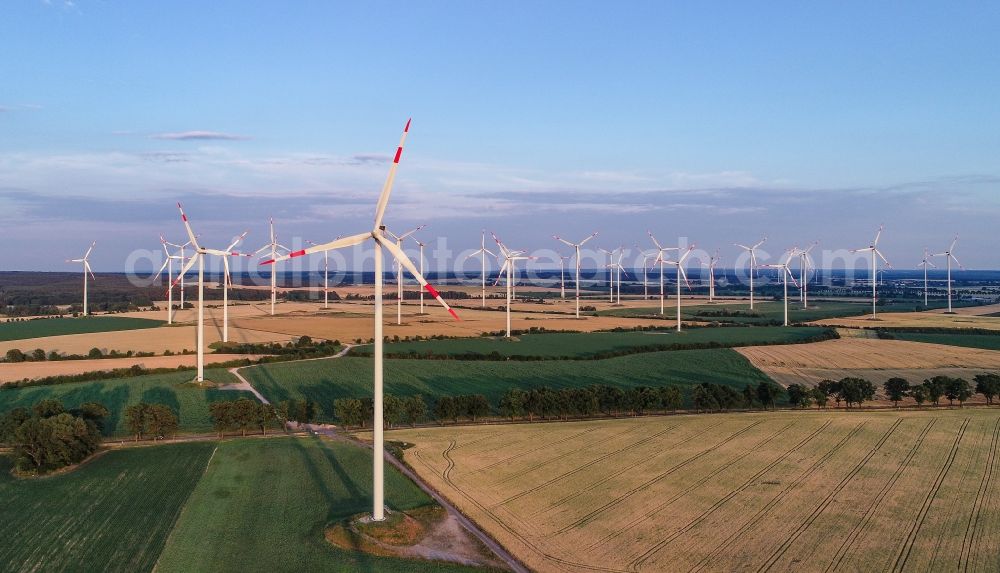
{"points": [[679, 263], [227, 282], [562, 276], [378, 236], [576, 248], [421, 245], [950, 256], [509, 258], [275, 247], [182, 247], [616, 268], [645, 280], [786, 273], [926, 262], [483, 251], [326, 277], [399, 272], [659, 259], [712, 262], [873, 248], [86, 269], [753, 262], [199, 257], [169, 265], [611, 273], [804, 265]]}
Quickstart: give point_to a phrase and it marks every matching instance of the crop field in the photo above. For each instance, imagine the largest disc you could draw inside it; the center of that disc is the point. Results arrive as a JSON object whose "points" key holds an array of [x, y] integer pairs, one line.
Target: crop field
{"points": [[764, 311], [582, 345], [264, 504], [14, 371], [983, 341], [916, 320], [112, 514], [350, 377], [876, 360], [818, 491], [58, 326], [173, 389]]}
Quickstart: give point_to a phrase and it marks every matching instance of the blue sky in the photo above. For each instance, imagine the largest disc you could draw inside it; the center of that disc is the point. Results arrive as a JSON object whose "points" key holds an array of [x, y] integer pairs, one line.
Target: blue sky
{"points": [[717, 122]]}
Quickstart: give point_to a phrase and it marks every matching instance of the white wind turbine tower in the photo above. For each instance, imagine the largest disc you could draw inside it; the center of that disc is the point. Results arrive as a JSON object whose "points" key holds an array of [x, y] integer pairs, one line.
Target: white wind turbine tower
{"points": [[805, 263], [645, 279], [873, 249], [753, 262], [611, 273], [576, 248], [169, 265], [399, 272], [421, 245], [377, 235], [926, 262], [326, 277], [275, 249], [508, 264], [562, 276], [199, 257], [950, 256], [661, 261], [679, 263], [86, 269], [183, 257], [712, 262], [616, 268], [483, 251], [786, 273], [227, 282]]}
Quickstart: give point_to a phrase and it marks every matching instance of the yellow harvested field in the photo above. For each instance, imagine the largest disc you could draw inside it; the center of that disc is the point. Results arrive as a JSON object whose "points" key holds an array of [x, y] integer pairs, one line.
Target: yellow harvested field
{"points": [[816, 491], [916, 319], [874, 359], [20, 371], [972, 310]]}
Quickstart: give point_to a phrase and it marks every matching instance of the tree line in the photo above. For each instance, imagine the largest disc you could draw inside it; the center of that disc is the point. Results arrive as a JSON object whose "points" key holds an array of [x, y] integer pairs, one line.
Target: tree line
{"points": [[48, 436]]}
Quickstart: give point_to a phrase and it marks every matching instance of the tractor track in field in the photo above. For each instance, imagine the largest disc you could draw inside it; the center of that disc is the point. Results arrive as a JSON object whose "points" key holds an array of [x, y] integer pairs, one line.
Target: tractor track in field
{"points": [[759, 515], [971, 539], [619, 499], [812, 517], [510, 530], [548, 461], [904, 553], [533, 450], [583, 467], [877, 501], [689, 489]]}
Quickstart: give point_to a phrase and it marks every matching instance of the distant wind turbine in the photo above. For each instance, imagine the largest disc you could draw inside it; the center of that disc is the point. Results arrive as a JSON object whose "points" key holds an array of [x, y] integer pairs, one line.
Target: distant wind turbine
{"points": [[483, 251], [926, 262], [399, 272], [950, 256], [86, 269], [805, 263], [509, 257], [576, 248], [753, 262], [786, 273], [679, 264], [659, 259], [873, 249], [169, 265], [275, 249]]}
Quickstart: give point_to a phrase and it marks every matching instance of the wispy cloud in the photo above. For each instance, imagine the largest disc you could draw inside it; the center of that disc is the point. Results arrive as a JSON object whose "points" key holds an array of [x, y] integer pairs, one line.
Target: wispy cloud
{"points": [[199, 136]]}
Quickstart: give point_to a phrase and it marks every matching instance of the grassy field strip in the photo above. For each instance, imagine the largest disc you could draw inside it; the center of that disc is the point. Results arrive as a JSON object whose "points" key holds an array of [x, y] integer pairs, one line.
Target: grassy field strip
{"points": [[59, 326], [983, 341], [173, 389], [349, 377], [112, 514], [264, 505], [816, 491]]}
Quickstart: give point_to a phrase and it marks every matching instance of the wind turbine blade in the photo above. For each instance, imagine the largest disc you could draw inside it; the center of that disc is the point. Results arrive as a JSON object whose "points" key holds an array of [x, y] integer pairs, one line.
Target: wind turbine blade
{"points": [[406, 262], [165, 263], [237, 241], [791, 275], [878, 235], [881, 256], [685, 276], [187, 267], [383, 199], [226, 279], [655, 242], [954, 258], [587, 239], [744, 247], [563, 241], [88, 250], [336, 244], [500, 272], [86, 265], [760, 242], [187, 226]]}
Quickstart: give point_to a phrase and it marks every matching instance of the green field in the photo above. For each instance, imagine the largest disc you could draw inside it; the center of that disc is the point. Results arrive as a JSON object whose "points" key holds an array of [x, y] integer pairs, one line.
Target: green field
{"points": [[766, 312], [83, 325], [113, 514], [173, 389], [263, 505], [984, 341], [351, 377], [581, 345]]}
